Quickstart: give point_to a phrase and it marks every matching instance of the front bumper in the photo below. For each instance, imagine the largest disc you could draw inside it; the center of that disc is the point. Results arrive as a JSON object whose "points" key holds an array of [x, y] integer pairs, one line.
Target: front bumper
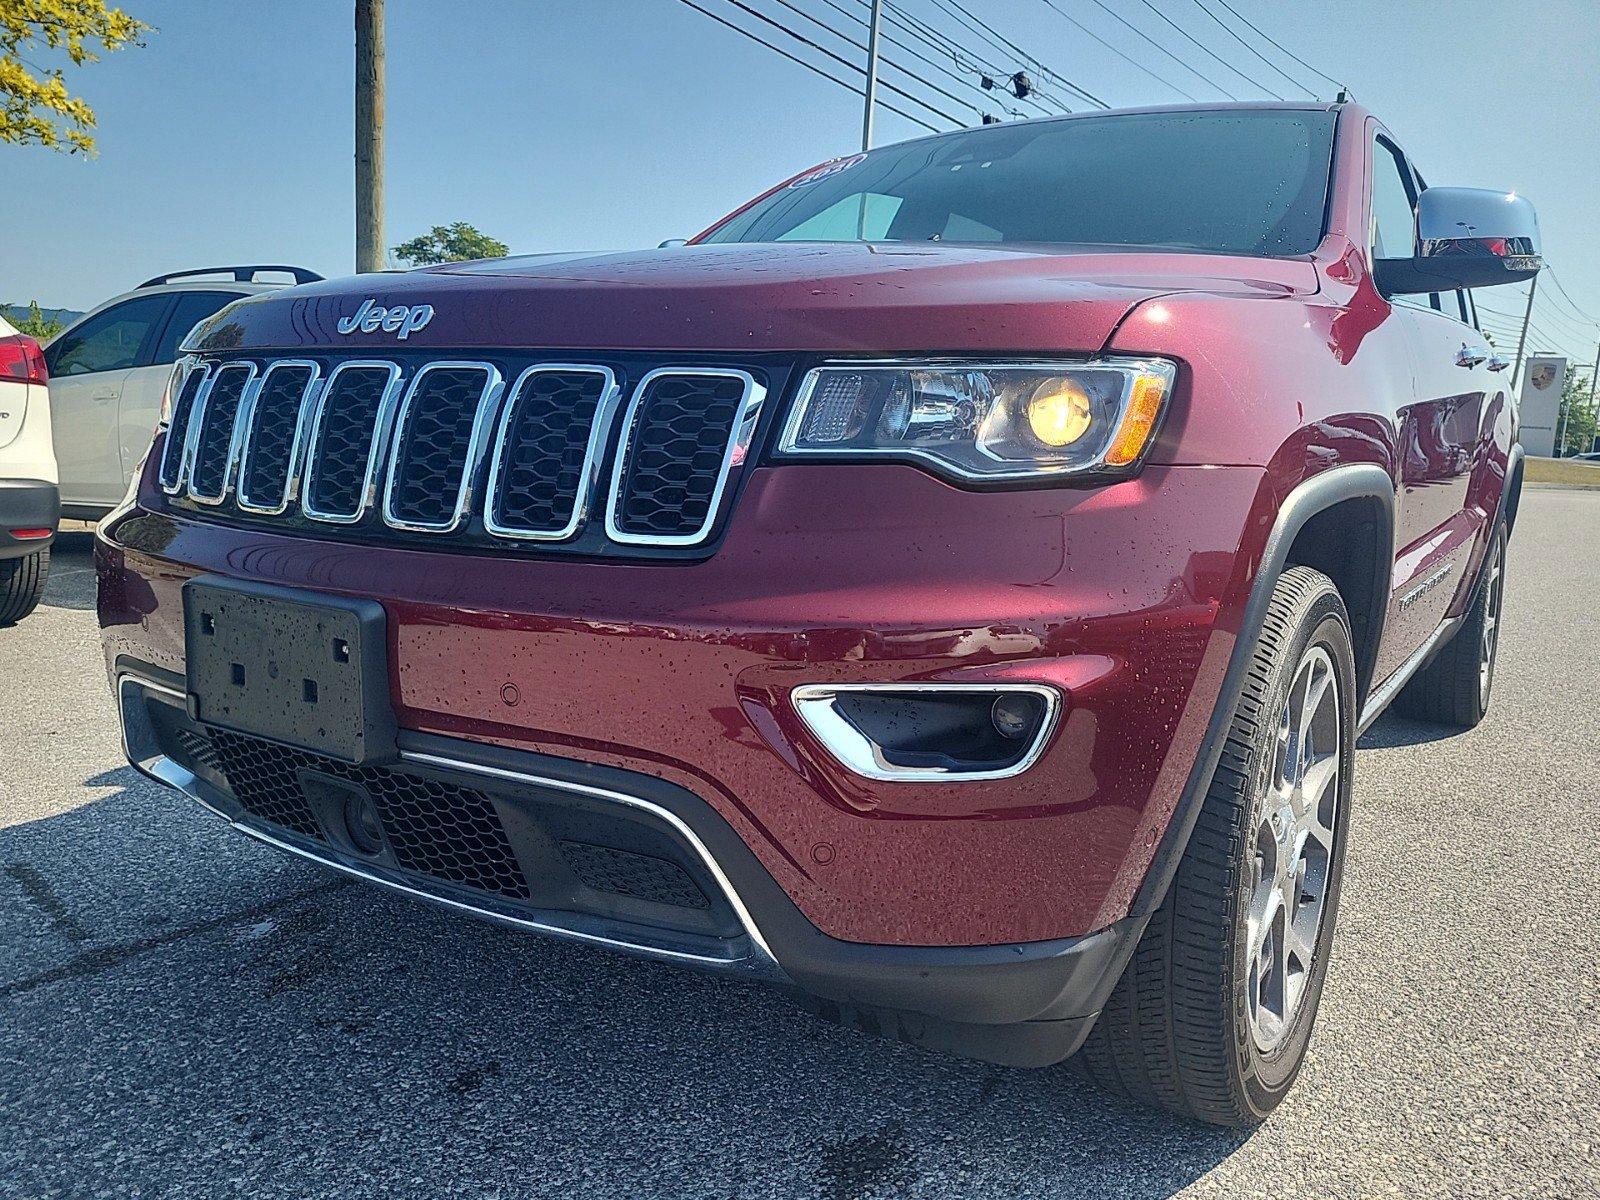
{"points": [[1025, 1005], [1122, 598], [28, 505]]}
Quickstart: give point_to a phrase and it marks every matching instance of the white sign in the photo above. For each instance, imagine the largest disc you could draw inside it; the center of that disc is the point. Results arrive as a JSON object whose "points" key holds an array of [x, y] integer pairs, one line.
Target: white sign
{"points": [[1542, 380]]}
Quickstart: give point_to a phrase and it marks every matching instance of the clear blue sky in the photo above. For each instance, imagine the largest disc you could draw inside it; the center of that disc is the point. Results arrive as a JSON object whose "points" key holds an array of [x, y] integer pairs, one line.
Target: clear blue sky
{"points": [[596, 124]]}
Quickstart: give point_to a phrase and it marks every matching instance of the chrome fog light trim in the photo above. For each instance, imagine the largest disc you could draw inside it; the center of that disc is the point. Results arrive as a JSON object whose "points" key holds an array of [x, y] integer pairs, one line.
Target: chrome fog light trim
{"points": [[818, 707]]}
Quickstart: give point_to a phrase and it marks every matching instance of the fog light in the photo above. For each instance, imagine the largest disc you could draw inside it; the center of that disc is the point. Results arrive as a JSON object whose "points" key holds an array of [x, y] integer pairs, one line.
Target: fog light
{"points": [[1017, 715], [361, 823]]}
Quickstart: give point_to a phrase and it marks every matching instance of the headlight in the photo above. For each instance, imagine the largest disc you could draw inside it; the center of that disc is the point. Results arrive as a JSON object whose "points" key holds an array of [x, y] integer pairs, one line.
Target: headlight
{"points": [[984, 421]]}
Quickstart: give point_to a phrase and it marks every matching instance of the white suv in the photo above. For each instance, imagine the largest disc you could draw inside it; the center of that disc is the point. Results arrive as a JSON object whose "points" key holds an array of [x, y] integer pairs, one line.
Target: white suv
{"points": [[109, 372], [28, 504]]}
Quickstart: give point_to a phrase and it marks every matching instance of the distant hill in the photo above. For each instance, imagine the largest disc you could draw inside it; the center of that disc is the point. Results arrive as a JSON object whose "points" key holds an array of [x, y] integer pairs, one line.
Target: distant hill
{"points": [[13, 312]]}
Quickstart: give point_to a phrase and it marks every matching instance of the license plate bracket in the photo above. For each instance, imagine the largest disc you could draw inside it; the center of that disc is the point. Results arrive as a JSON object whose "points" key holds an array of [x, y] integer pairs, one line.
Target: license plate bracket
{"points": [[299, 668]]}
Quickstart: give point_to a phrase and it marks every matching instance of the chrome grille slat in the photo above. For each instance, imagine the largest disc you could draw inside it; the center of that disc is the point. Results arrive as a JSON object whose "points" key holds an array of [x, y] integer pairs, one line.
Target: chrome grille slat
{"points": [[175, 454], [547, 451], [216, 444], [271, 430], [345, 444], [440, 431], [685, 430]]}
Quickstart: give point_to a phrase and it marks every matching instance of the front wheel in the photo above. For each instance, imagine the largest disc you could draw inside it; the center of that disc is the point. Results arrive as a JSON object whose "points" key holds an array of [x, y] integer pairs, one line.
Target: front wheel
{"points": [[22, 583], [1213, 1014]]}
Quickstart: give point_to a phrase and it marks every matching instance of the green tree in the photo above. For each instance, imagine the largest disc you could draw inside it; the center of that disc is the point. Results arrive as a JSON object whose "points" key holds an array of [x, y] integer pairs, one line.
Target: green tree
{"points": [[35, 106], [1579, 429], [449, 243], [38, 326]]}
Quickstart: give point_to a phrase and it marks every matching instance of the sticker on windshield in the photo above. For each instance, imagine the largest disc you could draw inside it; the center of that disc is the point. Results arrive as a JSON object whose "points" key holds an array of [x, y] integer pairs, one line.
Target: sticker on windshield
{"points": [[826, 169]]}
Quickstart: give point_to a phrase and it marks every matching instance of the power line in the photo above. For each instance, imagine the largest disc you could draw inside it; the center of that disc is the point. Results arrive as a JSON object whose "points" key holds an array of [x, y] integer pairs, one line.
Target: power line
{"points": [[922, 57], [1579, 327], [1512, 332], [1131, 61], [841, 60], [1072, 87], [1281, 48], [812, 67], [1139, 33], [794, 8], [1204, 49], [962, 55], [1509, 325], [1551, 271], [955, 9], [1228, 29]]}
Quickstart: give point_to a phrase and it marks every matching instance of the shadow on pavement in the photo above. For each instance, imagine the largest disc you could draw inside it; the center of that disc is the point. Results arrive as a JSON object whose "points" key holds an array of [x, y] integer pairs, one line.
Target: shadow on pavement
{"points": [[186, 1007], [71, 583], [1390, 731]]}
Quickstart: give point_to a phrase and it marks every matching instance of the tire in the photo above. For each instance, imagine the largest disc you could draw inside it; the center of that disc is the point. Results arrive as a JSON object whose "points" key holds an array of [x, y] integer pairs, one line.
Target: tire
{"points": [[22, 583], [1454, 688], [1201, 1022]]}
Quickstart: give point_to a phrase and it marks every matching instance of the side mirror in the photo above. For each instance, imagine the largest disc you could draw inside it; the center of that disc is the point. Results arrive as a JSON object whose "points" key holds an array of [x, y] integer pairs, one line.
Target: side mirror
{"points": [[1466, 238], [671, 242]]}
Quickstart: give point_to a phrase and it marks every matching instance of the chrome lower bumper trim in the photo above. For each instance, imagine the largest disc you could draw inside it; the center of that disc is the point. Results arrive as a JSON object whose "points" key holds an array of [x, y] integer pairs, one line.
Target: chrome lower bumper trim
{"points": [[761, 962]]}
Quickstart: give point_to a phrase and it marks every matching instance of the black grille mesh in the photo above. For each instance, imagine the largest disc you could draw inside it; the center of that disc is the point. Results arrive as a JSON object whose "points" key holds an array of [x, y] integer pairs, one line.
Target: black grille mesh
{"points": [[546, 438], [262, 778], [624, 873], [178, 431], [431, 455], [445, 831], [680, 434], [209, 475], [269, 439], [337, 462], [438, 829]]}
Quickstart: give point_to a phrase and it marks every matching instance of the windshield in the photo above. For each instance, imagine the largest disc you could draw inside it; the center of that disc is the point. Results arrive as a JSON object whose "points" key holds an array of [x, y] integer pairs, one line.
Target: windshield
{"points": [[1239, 181]]}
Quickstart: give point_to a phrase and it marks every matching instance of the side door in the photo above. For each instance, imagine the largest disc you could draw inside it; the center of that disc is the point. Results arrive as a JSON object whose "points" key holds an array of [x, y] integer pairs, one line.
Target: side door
{"points": [[1437, 432], [144, 386], [88, 366]]}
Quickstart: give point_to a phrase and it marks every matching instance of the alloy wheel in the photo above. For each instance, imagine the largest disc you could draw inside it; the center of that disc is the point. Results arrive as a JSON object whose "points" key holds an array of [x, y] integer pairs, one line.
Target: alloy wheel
{"points": [[1294, 843], [1490, 640]]}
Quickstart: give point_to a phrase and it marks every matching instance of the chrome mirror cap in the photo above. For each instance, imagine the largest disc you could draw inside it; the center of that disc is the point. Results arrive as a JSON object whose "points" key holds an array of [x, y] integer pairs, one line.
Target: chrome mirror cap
{"points": [[1480, 224], [1466, 238]]}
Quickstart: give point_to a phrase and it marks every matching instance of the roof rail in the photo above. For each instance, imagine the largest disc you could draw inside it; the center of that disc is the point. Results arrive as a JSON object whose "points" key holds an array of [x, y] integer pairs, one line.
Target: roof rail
{"points": [[245, 274]]}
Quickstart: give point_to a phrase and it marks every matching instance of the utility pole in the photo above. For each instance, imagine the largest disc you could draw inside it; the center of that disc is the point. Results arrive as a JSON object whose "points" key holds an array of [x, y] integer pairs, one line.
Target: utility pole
{"points": [[872, 74], [1594, 378], [369, 135], [1522, 338]]}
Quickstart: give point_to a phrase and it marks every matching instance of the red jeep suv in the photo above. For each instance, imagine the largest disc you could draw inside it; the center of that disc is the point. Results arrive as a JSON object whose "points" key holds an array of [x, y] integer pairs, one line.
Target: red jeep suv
{"points": [[949, 588]]}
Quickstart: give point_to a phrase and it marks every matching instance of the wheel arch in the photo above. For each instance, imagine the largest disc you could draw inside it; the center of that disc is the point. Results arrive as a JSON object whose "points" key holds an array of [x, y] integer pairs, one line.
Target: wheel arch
{"points": [[1512, 497], [1307, 523], [1352, 542]]}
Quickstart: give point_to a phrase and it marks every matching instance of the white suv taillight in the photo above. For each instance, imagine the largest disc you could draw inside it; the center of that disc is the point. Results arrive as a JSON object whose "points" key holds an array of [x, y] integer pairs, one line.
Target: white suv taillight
{"points": [[21, 360]]}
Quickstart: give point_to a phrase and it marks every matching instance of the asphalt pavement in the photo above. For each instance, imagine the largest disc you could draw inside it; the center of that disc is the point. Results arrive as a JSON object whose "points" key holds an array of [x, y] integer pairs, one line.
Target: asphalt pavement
{"points": [[184, 1012]]}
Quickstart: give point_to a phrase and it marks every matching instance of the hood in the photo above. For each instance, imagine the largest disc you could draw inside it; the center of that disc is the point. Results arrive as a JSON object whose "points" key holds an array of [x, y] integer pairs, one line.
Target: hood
{"points": [[812, 297]]}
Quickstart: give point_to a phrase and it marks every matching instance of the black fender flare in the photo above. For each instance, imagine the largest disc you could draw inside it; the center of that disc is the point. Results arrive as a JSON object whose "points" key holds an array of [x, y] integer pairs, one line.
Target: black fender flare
{"points": [[1356, 481], [1511, 487]]}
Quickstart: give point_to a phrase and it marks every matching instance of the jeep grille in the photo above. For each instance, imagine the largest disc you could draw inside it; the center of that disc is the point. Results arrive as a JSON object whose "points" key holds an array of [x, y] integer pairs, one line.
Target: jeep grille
{"points": [[426, 449]]}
